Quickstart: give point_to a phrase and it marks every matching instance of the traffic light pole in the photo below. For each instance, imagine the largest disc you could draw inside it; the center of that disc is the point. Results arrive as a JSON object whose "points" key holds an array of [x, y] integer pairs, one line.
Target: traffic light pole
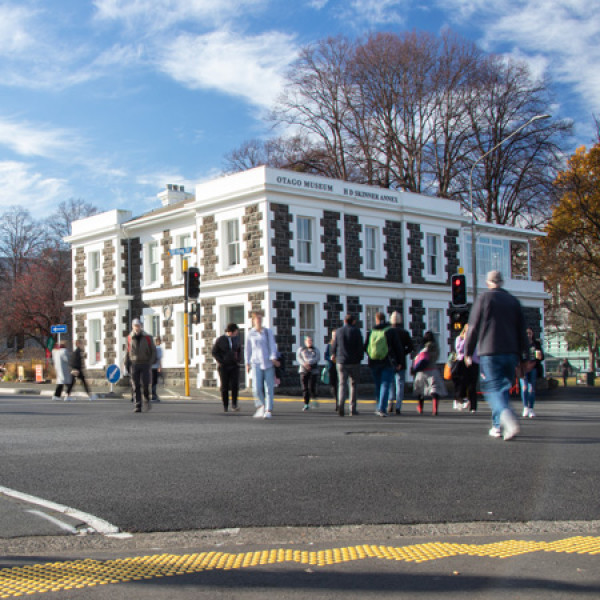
{"points": [[186, 334]]}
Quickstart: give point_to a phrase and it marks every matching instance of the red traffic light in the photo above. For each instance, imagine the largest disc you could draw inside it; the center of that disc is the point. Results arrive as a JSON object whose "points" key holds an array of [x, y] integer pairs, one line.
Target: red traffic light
{"points": [[193, 282], [459, 290]]}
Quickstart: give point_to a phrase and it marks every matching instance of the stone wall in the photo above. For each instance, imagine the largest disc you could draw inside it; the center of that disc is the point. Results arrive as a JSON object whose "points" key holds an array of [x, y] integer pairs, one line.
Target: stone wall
{"points": [[415, 253], [394, 250], [452, 252], [208, 235], [283, 322], [333, 315], [110, 337], [282, 238], [109, 266], [208, 319], [167, 260], [80, 274], [352, 247], [355, 308], [330, 241], [416, 325], [253, 221]]}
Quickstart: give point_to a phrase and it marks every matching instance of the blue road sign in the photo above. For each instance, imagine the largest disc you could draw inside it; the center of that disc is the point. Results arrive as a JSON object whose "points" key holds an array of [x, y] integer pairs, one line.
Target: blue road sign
{"points": [[180, 251], [113, 374], [58, 329]]}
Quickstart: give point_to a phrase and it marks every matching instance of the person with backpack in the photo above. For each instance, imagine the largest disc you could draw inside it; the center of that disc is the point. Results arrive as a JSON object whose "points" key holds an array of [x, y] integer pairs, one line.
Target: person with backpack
{"points": [[397, 387], [140, 356], [308, 358], [386, 356], [429, 380]]}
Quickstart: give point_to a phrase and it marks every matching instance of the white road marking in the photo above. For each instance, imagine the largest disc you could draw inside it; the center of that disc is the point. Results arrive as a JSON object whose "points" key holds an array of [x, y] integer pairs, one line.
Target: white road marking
{"points": [[57, 522], [97, 524]]}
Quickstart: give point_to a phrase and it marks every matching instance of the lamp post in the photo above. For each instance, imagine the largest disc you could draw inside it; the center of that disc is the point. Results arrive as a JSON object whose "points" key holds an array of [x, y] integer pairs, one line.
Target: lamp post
{"points": [[473, 241]]}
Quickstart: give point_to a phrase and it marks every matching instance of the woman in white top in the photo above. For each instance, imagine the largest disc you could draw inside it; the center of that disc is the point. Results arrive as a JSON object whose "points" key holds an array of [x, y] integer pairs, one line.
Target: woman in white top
{"points": [[261, 358]]}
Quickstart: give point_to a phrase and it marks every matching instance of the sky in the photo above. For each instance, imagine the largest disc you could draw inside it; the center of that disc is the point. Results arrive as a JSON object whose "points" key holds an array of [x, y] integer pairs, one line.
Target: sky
{"points": [[110, 100]]}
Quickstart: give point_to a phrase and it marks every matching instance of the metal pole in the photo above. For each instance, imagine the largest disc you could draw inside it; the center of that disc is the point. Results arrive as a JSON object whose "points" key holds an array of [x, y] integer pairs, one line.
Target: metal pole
{"points": [[186, 352], [473, 240]]}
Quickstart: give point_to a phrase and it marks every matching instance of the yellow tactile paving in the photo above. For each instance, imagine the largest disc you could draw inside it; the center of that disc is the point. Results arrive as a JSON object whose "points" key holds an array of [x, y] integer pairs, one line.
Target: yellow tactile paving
{"points": [[78, 574]]}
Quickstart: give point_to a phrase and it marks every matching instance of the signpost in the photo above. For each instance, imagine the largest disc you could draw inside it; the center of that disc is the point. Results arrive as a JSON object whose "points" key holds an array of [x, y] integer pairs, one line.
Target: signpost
{"points": [[58, 329], [113, 374]]}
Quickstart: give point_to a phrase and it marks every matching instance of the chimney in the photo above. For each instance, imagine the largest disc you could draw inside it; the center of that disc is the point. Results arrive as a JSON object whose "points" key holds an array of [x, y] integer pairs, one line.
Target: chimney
{"points": [[173, 193]]}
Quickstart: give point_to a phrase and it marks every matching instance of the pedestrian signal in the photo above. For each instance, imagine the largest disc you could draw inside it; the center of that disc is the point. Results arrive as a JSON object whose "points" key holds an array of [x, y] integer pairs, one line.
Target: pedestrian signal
{"points": [[459, 290], [193, 282], [458, 320]]}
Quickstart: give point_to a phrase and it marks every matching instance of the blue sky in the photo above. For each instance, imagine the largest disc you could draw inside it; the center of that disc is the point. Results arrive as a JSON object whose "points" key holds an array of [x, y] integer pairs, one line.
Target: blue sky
{"points": [[109, 100]]}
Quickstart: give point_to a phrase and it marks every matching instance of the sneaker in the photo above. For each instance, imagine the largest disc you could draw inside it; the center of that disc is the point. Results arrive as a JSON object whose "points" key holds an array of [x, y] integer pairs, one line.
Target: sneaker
{"points": [[235, 409], [55, 398], [510, 427], [305, 408], [380, 413], [531, 413], [267, 415], [525, 411], [455, 405], [466, 406], [68, 399], [93, 397], [137, 409], [260, 412], [495, 432]]}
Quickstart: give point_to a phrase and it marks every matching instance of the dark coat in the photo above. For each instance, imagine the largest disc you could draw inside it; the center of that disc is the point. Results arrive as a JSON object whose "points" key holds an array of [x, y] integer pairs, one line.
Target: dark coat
{"points": [[348, 346], [395, 355], [405, 341], [225, 354]]}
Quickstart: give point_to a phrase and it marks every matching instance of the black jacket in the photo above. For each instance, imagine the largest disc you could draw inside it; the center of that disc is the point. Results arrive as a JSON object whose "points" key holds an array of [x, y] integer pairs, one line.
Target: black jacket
{"points": [[497, 325], [395, 355], [76, 361], [225, 354], [405, 341], [348, 346]]}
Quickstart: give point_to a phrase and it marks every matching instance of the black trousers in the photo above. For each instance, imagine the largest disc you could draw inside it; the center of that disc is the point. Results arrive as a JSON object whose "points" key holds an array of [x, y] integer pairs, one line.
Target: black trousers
{"points": [[140, 378], [309, 384], [81, 377], [230, 380]]}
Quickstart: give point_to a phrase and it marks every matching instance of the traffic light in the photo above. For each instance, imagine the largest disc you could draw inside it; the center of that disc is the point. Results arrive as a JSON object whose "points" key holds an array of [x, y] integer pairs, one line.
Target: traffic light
{"points": [[193, 282], [459, 290], [458, 319]]}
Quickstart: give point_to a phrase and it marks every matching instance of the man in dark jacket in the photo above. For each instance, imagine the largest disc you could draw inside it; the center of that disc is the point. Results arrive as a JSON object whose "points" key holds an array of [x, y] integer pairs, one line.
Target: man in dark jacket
{"points": [[497, 330], [77, 364], [397, 389], [348, 353], [139, 358], [386, 356], [227, 353]]}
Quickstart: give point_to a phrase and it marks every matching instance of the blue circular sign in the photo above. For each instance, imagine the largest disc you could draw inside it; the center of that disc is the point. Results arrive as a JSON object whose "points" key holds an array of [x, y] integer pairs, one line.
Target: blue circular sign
{"points": [[113, 373]]}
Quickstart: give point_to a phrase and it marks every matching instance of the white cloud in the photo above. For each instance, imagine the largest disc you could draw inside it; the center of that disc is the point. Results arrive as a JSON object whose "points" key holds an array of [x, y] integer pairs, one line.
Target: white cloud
{"points": [[318, 4], [250, 67], [373, 13], [564, 35], [162, 14], [25, 187], [14, 29], [28, 139]]}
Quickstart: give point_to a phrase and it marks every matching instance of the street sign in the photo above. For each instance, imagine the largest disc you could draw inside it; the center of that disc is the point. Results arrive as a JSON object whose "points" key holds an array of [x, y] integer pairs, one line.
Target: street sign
{"points": [[58, 329], [39, 374], [50, 344], [180, 251], [113, 373]]}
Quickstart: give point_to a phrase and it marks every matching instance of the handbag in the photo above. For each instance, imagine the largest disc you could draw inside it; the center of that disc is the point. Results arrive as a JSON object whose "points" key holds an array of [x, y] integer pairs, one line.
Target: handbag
{"points": [[325, 375], [448, 372], [421, 361]]}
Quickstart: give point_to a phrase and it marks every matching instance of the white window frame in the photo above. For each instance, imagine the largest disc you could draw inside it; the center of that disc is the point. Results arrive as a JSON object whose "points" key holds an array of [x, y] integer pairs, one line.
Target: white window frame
{"points": [[148, 282], [485, 242], [305, 239], [441, 336], [230, 244], [439, 233], [94, 287], [222, 220], [304, 331], [371, 250], [95, 346], [317, 263], [370, 223]]}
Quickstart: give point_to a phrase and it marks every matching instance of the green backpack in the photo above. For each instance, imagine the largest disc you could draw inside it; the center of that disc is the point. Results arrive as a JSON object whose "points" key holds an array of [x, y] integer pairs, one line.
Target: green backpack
{"points": [[378, 346]]}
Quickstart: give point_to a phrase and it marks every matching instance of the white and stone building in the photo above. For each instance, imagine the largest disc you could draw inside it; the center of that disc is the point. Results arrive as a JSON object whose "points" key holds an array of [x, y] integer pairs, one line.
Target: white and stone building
{"points": [[304, 249]]}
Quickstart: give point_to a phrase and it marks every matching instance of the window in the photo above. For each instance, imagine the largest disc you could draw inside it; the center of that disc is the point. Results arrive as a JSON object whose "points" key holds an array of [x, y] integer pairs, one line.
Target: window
{"points": [[493, 254], [307, 321], [434, 323], [370, 313], [94, 271], [154, 325], [432, 255], [232, 241], [305, 239], [153, 262], [371, 248], [95, 326]]}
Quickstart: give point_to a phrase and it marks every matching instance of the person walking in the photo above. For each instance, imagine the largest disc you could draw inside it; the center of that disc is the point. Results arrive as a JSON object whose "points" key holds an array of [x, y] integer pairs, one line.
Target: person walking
{"points": [[528, 379], [332, 370], [157, 368], [429, 381], [227, 353], [399, 381], [60, 360], [465, 377], [385, 357], [261, 360], [140, 356], [77, 364], [566, 371], [347, 351], [308, 358], [497, 330]]}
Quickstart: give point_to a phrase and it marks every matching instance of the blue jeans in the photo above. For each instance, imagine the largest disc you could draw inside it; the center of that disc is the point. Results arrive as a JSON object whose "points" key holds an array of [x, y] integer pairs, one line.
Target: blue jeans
{"points": [[528, 388], [383, 377], [497, 373], [263, 380], [397, 388]]}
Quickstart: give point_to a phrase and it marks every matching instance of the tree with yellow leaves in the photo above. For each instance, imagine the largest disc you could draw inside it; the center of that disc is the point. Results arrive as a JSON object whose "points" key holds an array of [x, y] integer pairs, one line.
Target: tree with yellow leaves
{"points": [[571, 252]]}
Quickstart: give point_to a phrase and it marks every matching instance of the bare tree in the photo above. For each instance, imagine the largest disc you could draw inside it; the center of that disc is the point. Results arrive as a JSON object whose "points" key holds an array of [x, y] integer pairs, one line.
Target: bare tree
{"points": [[59, 223]]}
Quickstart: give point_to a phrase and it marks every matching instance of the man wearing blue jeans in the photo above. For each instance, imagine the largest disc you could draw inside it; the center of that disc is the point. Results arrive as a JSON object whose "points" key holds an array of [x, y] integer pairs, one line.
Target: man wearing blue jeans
{"points": [[497, 330], [397, 387]]}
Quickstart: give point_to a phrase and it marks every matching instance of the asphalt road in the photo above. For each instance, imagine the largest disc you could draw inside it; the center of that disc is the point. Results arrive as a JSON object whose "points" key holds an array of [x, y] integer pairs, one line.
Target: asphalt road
{"points": [[187, 465]]}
